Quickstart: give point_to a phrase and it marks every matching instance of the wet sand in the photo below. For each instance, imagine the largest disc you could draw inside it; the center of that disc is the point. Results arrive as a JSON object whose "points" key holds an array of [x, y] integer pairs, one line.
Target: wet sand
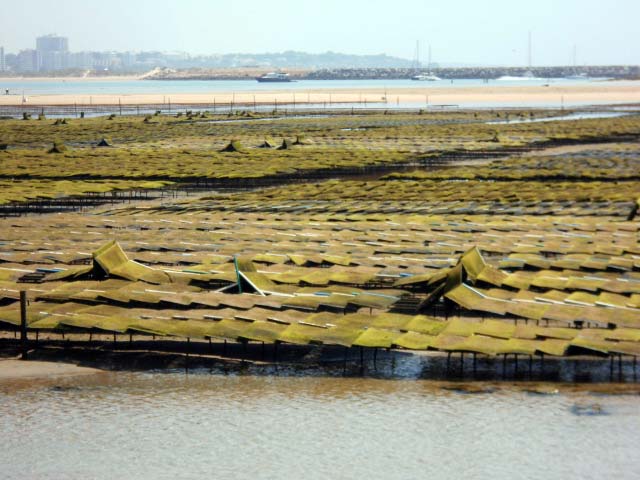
{"points": [[604, 93], [11, 369]]}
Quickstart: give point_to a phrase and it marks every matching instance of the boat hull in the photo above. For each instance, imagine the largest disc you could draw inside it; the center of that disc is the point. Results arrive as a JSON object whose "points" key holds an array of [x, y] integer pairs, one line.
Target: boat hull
{"points": [[273, 80]]}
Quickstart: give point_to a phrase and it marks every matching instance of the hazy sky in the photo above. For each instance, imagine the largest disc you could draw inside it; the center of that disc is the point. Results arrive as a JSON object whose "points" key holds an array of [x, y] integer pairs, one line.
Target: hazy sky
{"points": [[469, 31]]}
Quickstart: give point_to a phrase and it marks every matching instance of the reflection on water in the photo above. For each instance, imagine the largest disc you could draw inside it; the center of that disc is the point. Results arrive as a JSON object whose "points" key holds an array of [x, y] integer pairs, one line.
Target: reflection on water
{"points": [[146, 425], [571, 116]]}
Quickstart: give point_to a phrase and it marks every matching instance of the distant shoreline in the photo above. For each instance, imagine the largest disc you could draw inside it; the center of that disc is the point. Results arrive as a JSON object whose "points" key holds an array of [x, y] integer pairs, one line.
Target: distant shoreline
{"points": [[603, 93], [111, 78]]}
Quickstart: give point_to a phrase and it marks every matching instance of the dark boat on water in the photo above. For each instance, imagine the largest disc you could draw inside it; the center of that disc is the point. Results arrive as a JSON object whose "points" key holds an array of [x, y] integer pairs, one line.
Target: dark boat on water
{"points": [[274, 77]]}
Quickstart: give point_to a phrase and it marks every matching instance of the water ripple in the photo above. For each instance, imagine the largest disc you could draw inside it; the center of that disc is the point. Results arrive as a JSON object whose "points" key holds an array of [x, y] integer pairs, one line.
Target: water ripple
{"points": [[166, 426]]}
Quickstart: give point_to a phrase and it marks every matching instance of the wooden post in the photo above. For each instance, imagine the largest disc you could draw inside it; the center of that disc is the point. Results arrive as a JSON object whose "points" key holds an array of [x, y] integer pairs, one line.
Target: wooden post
{"points": [[23, 324], [611, 366], [186, 360], [620, 366], [344, 362], [504, 365]]}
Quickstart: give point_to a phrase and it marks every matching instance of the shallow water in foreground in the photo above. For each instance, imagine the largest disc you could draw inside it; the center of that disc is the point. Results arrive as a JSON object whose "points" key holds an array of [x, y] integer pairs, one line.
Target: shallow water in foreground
{"points": [[172, 425]]}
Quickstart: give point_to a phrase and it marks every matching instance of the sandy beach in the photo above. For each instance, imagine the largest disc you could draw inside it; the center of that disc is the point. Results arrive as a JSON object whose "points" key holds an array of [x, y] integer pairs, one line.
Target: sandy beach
{"points": [[604, 93], [11, 369]]}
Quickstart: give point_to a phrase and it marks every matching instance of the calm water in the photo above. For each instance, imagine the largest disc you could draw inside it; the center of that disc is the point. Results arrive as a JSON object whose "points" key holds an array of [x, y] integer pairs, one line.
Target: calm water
{"points": [[85, 89], [115, 87], [165, 426]]}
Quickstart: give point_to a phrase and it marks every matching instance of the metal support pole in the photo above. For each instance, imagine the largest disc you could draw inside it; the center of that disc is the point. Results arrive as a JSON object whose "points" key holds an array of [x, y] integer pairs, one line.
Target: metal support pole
{"points": [[238, 278]]}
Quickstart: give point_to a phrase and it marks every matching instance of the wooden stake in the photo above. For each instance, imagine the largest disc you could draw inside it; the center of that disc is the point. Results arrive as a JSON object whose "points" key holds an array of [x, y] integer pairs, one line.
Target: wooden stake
{"points": [[23, 324]]}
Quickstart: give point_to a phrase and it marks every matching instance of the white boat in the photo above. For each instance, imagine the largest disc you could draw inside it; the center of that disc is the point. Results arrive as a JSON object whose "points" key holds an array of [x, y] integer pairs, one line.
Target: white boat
{"points": [[272, 77], [524, 78], [425, 77]]}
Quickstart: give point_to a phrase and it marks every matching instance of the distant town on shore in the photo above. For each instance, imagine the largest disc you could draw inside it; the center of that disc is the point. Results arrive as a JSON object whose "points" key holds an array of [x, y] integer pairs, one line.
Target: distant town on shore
{"points": [[52, 57]]}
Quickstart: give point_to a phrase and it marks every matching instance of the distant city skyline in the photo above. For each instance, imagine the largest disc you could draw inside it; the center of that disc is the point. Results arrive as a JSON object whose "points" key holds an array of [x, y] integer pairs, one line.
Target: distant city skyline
{"points": [[494, 32]]}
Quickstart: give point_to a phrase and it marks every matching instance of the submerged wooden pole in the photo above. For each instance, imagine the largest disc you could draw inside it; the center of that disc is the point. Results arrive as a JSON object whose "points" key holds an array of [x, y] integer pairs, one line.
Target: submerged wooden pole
{"points": [[620, 366], [504, 365], [475, 364], [611, 366], [23, 324], [344, 363]]}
